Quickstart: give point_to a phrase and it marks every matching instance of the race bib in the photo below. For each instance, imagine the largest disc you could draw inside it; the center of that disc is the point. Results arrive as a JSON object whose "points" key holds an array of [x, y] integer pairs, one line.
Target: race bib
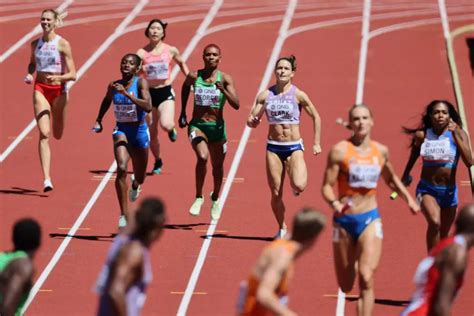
{"points": [[125, 113], [206, 96], [364, 176], [436, 150], [157, 70], [280, 109]]}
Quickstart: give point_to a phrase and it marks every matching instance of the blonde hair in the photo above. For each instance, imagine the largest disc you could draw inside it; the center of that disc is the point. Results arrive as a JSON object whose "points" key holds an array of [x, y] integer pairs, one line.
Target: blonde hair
{"points": [[59, 17], [307, 224]]}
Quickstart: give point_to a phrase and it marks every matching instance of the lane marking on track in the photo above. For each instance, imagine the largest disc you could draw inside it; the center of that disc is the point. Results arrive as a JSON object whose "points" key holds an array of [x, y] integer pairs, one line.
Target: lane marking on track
{"points": [[27, 37], [62, 247], [14, 137], [183, 306], [140, 26], [337, 295], [341, 296], [69, 228], [235, 180], [216, 231], [194, 293]]}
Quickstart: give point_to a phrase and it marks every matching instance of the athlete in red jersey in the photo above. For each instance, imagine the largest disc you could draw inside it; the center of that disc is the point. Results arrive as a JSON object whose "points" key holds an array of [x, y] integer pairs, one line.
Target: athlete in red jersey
{"points": [[440, 276]]}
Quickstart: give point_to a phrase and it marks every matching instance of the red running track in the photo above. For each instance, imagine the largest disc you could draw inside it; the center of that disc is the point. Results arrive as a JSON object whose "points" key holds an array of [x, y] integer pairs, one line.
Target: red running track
{"points": [[399, 79]]}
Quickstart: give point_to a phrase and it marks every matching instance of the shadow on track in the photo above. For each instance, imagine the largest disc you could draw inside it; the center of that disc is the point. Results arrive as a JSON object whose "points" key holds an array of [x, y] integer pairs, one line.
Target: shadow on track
{"points": [[22, 191], [238, 237], [85, 237]]}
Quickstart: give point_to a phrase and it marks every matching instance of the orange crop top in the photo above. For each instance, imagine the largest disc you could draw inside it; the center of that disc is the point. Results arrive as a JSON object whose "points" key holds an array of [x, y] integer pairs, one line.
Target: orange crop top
{"points": [[359, 174], [248, 305]]}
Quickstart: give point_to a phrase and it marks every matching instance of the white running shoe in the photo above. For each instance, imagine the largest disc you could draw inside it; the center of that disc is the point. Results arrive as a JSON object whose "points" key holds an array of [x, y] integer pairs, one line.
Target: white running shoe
{"points": [[48, 185], [133, 194], [215, 209], [195, 209], [122, 221], [281, 233]]}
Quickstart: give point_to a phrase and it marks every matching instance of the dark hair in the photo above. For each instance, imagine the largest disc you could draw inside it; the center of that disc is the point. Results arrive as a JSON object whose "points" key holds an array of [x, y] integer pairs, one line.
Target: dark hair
{"points": [[465, 220], [211, 45], [426, 118], [307, 224], [357, 106], [150, 214], [163, 25], [26, 234], [137, 59], [291, 59]]}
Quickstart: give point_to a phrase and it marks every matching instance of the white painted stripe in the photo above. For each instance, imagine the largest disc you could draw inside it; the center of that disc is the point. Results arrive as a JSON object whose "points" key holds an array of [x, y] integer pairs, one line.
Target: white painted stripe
{"points": [[444, 18], [455, 77], [105, 45], [341, 296], [363, 52], [59, 252], [62, 247], [235, 162], [412, 24], [30, 35], [199, 34]]}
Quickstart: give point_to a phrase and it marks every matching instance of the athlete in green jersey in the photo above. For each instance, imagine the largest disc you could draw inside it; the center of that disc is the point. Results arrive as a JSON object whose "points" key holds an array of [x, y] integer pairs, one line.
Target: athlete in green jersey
{"points": [[16, 267], [206, 130]]}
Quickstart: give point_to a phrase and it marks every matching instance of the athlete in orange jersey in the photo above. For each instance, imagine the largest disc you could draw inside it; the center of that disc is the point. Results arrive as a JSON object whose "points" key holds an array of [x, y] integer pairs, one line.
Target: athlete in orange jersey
{"points": [[265, 292], [355, 165]]}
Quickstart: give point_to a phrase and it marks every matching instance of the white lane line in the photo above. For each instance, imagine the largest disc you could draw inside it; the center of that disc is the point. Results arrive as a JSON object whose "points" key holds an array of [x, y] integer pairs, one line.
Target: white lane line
{"points": [[62, 247], [363, 52], [57, 255], [412, 24], [444, 18], [454, 75], [30, 35], [105, 45], [341, 296], [183, 306]]}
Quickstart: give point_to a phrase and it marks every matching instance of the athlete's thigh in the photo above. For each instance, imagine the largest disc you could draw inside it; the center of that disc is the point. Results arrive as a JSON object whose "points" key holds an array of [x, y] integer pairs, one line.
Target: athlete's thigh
{"points": [[42, 110], [59, 106], [430, 208], [153, 126], [344, 253], [199, 142], [370, 245], [297, 167], [344, 247], [217, 150], [122, 156], [166, 112], [275, 170], [59, 109]]}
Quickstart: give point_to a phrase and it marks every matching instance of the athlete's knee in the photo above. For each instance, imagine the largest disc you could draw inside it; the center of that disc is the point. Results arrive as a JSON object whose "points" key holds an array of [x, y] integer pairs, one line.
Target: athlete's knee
{"points": [[276, 196], [345, 286], [45, 134], [434, 223], [58, 134], [299, 186], [167, 126], [121, 169], [202, 157], [366, 276]]}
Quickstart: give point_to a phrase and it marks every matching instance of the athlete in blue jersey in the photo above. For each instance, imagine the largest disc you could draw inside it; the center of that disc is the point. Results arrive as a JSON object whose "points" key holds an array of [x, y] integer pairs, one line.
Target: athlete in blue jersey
{"points": [[440, 141], [131, 99]]}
